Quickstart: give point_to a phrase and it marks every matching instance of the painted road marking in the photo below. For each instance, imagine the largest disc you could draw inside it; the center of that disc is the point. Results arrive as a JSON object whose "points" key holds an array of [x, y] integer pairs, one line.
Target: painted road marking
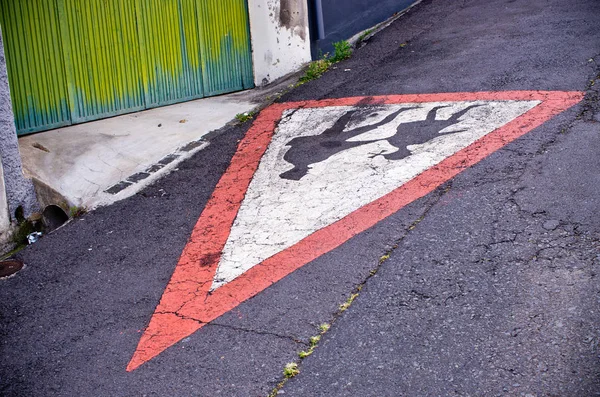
{"points": [[278, 212], [308, 176]]}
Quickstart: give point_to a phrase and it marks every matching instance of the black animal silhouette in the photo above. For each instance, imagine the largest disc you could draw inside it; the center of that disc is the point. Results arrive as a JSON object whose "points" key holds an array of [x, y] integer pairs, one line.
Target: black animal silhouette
{"points": [[418, 132], [307, 150]]}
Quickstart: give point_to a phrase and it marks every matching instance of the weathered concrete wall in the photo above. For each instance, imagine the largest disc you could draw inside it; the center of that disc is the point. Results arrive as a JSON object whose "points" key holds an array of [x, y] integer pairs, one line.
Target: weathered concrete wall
{"points": [[19, 190], [280, 37], [4, 216]]}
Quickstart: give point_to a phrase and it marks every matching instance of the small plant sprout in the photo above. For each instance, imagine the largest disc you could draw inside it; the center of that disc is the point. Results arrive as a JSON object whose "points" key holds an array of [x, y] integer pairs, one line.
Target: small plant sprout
{"points": [[243, 117], [344, 306], [76, 211], [290, 370], [314, 340], [315, 70], [343, 50], [364, 35]]}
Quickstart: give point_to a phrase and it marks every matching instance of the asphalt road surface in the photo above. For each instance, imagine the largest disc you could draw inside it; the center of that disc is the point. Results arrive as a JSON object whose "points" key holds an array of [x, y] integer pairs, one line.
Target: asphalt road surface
{"points": [[485, 284]]}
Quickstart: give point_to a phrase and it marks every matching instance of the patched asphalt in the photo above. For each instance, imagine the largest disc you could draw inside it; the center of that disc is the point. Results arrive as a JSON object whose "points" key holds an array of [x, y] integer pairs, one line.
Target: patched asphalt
{"points": [[493, 292]]}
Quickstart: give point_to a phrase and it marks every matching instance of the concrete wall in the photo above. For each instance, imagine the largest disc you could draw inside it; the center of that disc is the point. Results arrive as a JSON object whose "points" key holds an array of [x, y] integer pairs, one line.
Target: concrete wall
{"points": [[4, 215], [16, 190], [280, 37]]}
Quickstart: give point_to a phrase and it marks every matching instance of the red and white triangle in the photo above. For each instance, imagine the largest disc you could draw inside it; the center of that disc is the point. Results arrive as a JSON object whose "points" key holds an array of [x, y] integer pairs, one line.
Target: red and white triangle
{"points": [[258, 227]]}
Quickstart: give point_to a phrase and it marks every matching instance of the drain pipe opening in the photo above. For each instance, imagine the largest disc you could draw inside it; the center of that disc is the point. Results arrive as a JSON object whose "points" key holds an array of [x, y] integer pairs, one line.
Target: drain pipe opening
{"points": [[54, 217]]}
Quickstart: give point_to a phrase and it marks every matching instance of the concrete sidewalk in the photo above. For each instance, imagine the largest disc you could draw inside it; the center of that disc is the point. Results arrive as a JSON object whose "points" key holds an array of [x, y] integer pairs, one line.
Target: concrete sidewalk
{"points": [[100, 162]]}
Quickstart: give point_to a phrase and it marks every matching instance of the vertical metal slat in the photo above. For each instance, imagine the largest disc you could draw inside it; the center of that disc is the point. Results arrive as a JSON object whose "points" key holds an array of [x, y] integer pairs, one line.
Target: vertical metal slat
{"points": [[35, 64]]}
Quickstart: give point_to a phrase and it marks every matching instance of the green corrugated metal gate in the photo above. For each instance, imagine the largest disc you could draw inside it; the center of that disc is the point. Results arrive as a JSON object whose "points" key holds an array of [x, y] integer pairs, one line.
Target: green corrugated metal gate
{"points": [[71, 61]]}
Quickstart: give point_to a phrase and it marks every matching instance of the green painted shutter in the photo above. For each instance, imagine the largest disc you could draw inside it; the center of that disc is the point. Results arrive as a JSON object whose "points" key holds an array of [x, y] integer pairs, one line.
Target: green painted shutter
{"points": [[225, 42], [102, 57], [35, 64], [194, 48], [170, 50], [72, 61]]}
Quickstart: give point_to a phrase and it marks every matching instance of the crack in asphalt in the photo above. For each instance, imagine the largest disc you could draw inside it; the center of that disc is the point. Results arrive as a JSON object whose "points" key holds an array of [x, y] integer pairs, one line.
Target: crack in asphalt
{"points": [[181, 316], [590, 105], [259, 332], [440, 192], [568, 240]]}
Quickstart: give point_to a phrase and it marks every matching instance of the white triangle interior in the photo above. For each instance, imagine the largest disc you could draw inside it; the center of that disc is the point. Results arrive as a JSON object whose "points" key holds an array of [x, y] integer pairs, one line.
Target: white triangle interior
{"points": [[277, 213]]}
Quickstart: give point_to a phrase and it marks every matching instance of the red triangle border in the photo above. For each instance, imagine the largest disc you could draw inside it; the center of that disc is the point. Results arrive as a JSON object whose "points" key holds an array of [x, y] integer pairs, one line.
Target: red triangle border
{"points": [[187, 305]]}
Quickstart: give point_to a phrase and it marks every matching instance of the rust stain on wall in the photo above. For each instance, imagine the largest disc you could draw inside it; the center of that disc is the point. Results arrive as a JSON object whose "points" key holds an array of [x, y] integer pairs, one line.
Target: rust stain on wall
{"points": [[292, 15]]}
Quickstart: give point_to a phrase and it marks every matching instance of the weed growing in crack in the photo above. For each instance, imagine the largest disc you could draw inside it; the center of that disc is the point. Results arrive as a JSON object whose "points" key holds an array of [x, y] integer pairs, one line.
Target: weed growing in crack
{"points": [[363, 36], [325, 327], [276, 389], [314, 341], [243, 117], [76, 212], [316, 69], [290, 370], [343, 50], [346, 305]]}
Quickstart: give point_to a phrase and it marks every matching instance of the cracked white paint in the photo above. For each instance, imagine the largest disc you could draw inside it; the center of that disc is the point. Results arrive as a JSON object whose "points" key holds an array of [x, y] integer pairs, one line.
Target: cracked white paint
{"points": [[277, 213]]}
